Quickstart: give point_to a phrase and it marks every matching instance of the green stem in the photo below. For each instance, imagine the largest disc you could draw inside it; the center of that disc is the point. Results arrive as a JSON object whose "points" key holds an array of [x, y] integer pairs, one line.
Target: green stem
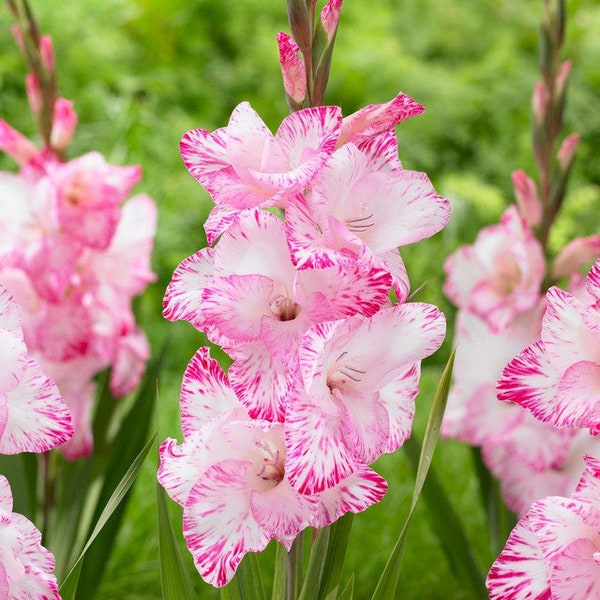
{"points": [[295, 567]]}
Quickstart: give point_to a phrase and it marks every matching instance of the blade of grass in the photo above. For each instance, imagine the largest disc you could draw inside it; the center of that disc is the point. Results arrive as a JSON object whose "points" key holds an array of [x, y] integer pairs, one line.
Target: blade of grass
{"points": [[174, 579], [280, 574], [132, 433], [334, 560], [388, 582], [316, 564], [247, 583], [68, 589]]}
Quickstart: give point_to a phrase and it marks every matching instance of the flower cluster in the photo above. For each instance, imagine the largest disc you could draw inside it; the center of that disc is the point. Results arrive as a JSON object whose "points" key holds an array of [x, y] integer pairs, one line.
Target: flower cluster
{"points": [[26, 567], [73, 256], [296, 291]]}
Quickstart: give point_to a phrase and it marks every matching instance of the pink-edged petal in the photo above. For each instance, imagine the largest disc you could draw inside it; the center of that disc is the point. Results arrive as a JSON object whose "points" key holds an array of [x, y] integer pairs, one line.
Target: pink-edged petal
{"points": [[588, 488], [6, 500], [576, 572], [308, 132], [220, 219], [317, 455], [377, 118], [38, 419], [390, 340], [398, 400], [577, 401], [382, 151], [282, 512], [234, 305], [592, 283], [405, 208], [392, 262], [567, 335], [183, 297], [308, 247], [204, 153], [10, 317], [343, 291], [353, 494], [205, 392], [261, 382], [520, 571], [182, 465], [255, 245], [530, 381], [218, 525], [557, 522], [365, 426], [461, 269]]}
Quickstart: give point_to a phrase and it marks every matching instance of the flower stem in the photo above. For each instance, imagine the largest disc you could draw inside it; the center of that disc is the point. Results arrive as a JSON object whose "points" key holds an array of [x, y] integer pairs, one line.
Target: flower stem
{"points": [[295, 567]]}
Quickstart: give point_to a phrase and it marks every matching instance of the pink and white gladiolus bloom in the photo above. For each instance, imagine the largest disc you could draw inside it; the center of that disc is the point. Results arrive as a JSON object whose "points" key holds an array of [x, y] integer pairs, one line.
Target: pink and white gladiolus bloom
{"points": [[230, 476], [33, 415], [500, 275], [248, 297], [355, 396], [558, 377], [244, 166], [26, 567], [554, 550], [360, 208]]}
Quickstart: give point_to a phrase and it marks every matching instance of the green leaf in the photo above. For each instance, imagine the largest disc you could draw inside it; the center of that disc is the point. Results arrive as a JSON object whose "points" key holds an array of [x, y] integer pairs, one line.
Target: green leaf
{"points": [[348, 592], [388, 582], [68, 589], [174, 579], [280, 574], [247, 583], [339, 535], [500, 519], [21, 472], [130, 437], [316, 564]]}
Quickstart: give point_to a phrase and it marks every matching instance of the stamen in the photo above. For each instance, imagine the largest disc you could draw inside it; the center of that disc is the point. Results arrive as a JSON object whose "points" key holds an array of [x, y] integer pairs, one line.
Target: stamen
{"points": [[360, 224]]}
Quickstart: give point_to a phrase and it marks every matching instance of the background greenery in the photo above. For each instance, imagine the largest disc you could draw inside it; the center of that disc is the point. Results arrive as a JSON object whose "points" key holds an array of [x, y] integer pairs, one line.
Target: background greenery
{"points": [[142, 72]]}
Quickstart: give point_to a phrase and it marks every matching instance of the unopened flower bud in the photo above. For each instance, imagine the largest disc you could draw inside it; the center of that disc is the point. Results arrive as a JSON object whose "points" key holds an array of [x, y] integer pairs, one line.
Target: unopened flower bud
{"points": [[34, 93], [330, 16], [562, 77], [18, 37], [63, 124], [528, 200], [47, 53], [292, 68], [576, 254], [539, 103], [300, 23], [566, 152], [15, 144]]}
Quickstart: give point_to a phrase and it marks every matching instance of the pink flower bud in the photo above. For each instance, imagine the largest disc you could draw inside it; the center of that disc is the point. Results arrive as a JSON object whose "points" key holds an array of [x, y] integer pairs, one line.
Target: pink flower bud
{"points": [[292, 68], [576, 254], [527, 197], [63, 124], [566, 152], [18, 37], [562, 77], [330, 16], [15, 144], [47, 53], [539, 103], [34, 93]]}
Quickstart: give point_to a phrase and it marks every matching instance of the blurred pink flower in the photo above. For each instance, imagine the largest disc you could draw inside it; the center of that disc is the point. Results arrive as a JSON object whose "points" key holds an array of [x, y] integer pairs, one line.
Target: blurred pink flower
{"points": [[499, 275], [26, 567]]}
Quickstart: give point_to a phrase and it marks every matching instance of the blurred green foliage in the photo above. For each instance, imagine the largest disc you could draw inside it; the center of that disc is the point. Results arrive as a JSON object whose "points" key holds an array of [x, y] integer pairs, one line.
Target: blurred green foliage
{"points": [[142, 72]]}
